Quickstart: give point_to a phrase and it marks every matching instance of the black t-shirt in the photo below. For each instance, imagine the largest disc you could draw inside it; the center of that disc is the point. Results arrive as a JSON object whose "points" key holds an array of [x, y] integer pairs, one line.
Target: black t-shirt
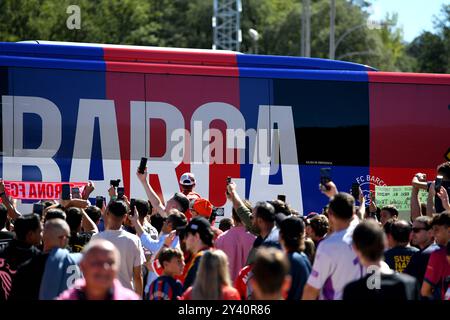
{"points": [[418, 263], [12, 256], [6, 235], [27, 282], [395, 286], [77, 241], [398, 258]]}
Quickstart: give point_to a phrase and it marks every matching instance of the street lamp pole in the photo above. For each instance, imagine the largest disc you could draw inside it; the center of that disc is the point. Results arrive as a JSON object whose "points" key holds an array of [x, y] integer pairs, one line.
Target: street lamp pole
{"points": [[332, 25]]}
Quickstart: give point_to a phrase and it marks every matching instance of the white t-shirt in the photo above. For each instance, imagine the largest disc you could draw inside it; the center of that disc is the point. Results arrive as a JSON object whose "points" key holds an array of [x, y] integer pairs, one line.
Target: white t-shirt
{"points": [[335, 264], [131, 253]]}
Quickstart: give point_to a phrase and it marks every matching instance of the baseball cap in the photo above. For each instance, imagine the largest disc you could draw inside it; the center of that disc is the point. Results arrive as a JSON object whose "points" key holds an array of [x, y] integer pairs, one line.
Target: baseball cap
{"points": [[199, 225], [187, 179], [202, 206]]}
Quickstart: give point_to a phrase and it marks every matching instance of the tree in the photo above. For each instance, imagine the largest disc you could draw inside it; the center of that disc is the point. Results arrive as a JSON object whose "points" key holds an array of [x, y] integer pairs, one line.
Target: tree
{"points": [[432, 50]]}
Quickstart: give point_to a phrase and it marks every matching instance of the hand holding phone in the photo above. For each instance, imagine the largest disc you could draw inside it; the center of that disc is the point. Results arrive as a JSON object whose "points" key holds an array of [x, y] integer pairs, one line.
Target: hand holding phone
{"points": [[76, 193], [132, 206], [99, 202], [438, 183], [65, 192], [282, 197], [142, 165], [325, 177], [228, 182], [355, 190], [120, 192]]}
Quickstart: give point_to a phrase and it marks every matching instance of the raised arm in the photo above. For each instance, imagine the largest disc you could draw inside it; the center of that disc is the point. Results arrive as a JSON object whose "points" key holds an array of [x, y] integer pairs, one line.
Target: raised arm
{"points": [[242, 211], [443, 195], [13, 213], [418, 182], [151, 194], [88, 189], [430, 200], [87, 223]]}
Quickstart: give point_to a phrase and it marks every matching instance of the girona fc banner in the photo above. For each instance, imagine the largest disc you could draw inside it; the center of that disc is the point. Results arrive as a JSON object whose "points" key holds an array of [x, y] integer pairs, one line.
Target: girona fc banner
{"points": [[38, 190]]}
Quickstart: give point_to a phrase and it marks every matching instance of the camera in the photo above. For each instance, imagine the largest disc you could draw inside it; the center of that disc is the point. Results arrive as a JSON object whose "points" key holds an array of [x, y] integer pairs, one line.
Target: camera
{"points": [[114, 183]]}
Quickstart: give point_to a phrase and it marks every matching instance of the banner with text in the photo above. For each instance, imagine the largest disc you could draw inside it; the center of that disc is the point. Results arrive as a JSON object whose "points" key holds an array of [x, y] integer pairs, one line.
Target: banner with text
{"points": [[38, 190], [398, 196]]}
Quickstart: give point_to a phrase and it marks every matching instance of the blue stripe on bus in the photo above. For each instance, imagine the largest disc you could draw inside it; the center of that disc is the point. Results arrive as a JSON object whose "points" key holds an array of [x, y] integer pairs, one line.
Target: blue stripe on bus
{"points": [[52, 63], [298, 63], [331, 75]]}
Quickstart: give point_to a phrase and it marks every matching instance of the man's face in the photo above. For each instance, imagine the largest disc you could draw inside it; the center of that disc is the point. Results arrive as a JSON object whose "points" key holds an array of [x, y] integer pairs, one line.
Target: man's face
{"points": [[385, 216], [420, 236], [255, 220], [441, 234], [192, 241], [175, 266], [100, 268], [173, 204], [309, 231], [167, 226], [35, 237], [64, 238]]}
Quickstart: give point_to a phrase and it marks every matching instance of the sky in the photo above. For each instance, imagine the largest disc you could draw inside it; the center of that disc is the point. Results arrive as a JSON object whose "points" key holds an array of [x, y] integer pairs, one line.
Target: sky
{"points": [[414, 16]]}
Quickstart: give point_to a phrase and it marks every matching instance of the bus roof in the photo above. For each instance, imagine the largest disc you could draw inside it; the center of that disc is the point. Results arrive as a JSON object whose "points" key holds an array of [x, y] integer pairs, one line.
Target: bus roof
{"points": [[154, 55]]}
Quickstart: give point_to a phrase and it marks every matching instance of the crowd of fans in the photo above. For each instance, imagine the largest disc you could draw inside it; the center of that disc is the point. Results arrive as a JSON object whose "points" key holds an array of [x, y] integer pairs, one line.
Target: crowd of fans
{"points": [[130, 249]]}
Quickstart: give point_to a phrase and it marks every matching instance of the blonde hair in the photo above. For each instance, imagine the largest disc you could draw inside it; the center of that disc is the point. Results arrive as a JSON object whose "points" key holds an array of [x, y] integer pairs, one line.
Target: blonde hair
{"points": [[212, 274]]}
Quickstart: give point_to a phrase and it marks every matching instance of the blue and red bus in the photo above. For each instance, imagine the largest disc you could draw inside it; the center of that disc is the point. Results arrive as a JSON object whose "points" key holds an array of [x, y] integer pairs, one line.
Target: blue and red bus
{"points": [[78, 112]]}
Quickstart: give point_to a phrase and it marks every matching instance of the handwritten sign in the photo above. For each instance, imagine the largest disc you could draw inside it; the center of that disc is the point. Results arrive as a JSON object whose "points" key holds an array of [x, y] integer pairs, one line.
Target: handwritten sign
{"points": [[398, 196], [37, 190]]}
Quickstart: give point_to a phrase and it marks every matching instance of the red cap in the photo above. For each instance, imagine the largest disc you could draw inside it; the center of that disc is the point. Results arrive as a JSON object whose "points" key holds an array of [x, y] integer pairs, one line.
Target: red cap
{"points": [[202, 206]]}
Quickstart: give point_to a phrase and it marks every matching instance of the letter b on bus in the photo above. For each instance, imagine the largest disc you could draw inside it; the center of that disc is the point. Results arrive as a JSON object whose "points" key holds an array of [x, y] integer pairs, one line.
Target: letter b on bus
{"points": [[74, 20]]}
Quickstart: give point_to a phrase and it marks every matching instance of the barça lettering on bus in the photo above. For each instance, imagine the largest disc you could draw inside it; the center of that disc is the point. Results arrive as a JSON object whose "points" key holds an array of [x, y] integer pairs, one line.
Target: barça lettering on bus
{"points": [[269, 148]]}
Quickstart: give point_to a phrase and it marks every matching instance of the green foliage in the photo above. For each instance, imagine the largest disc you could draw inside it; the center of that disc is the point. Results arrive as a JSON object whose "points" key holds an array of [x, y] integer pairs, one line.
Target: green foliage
{"points": [[432, 50], [187, 23]]}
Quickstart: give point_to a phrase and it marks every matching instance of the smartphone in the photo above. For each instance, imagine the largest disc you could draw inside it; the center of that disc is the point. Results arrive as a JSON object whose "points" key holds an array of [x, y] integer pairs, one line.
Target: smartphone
{"points": [[76, 193], [228, 182], [120, 192], [38, 208], [132, 205], [99, 201], [142, 165], [65, 192], [282, 197], [438, 183], [325, 177], [355, 190]]}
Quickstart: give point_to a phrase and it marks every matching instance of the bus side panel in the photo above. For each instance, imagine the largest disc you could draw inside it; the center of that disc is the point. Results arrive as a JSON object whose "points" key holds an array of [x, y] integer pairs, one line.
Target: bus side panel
{"points": [[254, 93], [124, 88], [331, 130], [49, 100], [198, 101], [410, 125], [5, 89]]}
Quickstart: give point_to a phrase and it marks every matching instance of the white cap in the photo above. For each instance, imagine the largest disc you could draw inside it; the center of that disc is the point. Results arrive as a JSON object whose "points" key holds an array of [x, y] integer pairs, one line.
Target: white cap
{"points": [[187, 179]]}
